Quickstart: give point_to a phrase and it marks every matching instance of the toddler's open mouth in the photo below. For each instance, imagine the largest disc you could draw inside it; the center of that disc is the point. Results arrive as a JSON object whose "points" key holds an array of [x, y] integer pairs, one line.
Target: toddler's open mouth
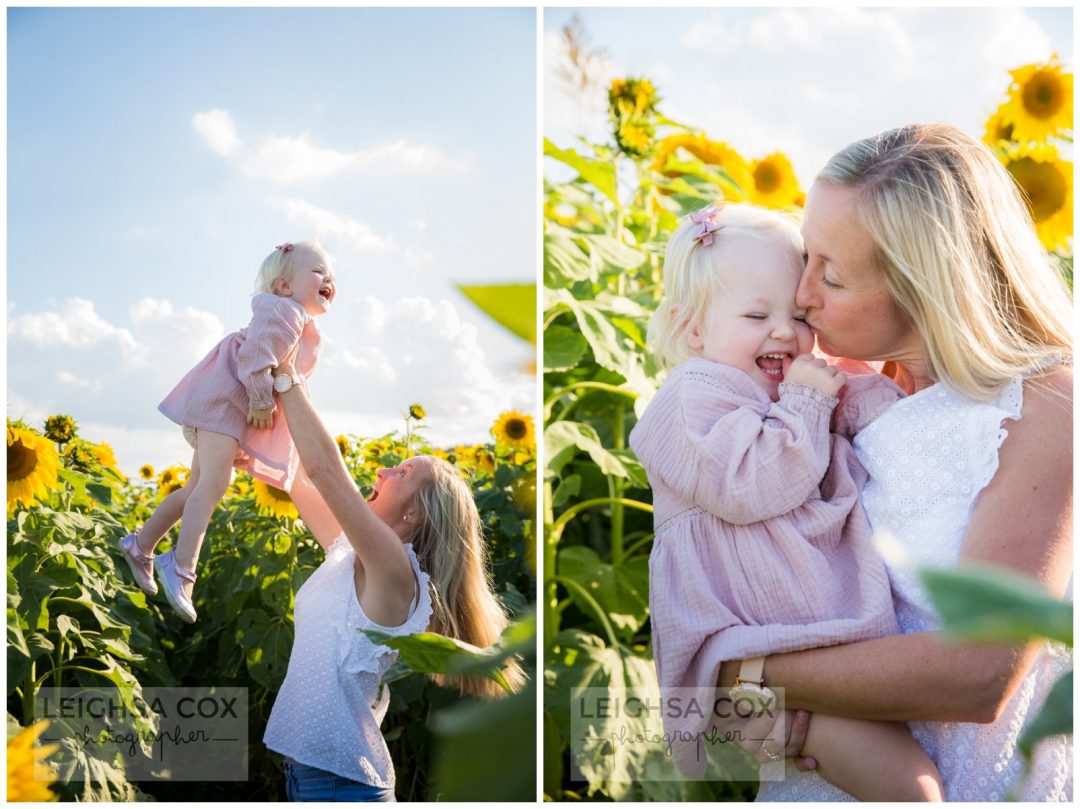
{"points": [[772, 364]]}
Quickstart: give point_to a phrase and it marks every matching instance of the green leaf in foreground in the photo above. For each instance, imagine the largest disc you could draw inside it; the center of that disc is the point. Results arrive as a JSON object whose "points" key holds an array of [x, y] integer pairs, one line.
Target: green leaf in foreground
{"points": [[985, 603], [512, 306], [1055, 718], [430, 653]]}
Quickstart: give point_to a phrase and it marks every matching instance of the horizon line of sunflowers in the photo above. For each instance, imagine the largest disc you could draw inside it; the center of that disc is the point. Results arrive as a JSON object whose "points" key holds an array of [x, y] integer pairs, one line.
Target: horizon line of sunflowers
{"points": [[1025, 132], [36, 461]]}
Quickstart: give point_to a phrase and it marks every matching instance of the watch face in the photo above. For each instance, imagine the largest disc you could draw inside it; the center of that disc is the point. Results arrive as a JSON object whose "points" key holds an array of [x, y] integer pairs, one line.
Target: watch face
{"points": [[282, 383], [752, 698]]}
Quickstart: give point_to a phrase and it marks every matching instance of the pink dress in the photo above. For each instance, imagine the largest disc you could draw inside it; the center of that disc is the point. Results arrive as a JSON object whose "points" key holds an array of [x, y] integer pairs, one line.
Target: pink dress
{"points": [[216, 394], [761, 543]]}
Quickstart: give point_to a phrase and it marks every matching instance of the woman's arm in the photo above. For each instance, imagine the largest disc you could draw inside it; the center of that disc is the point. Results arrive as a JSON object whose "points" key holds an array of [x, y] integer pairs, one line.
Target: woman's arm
{"points": [[389, 586], [1022, 521]]}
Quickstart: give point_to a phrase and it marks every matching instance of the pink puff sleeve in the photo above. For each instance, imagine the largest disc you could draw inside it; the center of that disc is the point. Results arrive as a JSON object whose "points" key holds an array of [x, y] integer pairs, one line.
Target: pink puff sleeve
{"points": [[275, 328], [862, 399], [734, 453]]}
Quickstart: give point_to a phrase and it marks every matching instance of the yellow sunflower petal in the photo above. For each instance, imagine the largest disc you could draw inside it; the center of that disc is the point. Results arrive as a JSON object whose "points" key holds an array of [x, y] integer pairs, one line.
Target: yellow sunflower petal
{"points": [[32, 468], [273, 502], [1040, 101], [774, 182], [514, 430], [1047, 184]]}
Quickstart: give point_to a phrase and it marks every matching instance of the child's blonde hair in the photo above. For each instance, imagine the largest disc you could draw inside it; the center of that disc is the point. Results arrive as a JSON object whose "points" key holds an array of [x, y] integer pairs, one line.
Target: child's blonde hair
{"points": [[693, 272], [282, 264], [955, 242]]}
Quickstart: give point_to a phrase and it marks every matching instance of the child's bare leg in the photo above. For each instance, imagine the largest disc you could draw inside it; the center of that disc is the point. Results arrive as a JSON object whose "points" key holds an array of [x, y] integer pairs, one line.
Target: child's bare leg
{"points": [[216, 452], [872, 761], [167, 513], [313, 509]]}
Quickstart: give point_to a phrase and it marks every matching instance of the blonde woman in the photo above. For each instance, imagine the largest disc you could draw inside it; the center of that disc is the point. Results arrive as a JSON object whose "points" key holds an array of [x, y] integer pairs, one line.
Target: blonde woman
{"points": [[920, 252], [411, 558]]}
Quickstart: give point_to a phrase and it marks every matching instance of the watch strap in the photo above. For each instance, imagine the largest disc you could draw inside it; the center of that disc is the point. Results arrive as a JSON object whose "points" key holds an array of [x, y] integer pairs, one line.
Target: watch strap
{"points": [[752, 671]]}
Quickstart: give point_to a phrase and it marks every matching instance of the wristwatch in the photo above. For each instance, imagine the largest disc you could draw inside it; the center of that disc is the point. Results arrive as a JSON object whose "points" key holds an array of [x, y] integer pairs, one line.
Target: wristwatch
{"points": [[750, 686], [284, 383]]}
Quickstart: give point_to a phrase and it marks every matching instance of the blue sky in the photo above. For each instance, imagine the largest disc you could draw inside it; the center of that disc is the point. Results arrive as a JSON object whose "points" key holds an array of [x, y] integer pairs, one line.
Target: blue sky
{"points": [[805, 81], [155, 156]]}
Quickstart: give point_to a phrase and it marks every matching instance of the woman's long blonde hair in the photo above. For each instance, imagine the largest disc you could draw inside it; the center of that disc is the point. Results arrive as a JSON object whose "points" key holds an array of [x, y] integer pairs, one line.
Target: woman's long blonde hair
{"points": [[449, 544], [956, 244]]}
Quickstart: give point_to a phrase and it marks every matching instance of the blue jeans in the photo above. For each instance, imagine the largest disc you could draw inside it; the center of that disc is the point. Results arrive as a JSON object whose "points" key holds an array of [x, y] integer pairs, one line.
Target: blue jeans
{"points": [[304, 783]]}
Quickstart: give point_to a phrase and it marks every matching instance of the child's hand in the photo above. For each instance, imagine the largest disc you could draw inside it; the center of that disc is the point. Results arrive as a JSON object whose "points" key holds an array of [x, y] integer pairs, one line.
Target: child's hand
{"points": [[806, 369], [261, 419]]}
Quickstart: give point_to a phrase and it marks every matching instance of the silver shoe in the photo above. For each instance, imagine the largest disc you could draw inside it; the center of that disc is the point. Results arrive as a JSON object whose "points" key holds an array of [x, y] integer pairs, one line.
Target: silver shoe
{"points": [[170, 574], [141, 564]]}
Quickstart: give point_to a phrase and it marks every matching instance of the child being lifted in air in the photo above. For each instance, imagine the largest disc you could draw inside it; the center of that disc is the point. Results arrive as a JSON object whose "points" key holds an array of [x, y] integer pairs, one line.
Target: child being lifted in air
{"points": [[762, 545], [225, 406]]}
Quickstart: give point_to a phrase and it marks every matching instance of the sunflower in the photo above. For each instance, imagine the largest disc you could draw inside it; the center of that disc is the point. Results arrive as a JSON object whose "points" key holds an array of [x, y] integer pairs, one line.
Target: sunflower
{"points": [[417, 412], [105, 456], [711, 153], [774, 182], [1046, 181], [32, 468], [997, 128], [60, 429], [514, 430], [342, 445], [273, 502], [631, 105], [240, 486], [485, 461], [78, 454], [28, 774], [146, 472], [1040, 101], [631, 97], [173, 478]]}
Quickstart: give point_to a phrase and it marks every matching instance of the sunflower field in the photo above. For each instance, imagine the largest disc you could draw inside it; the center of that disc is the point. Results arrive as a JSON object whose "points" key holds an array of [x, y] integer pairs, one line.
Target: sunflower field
{"points": [[76, 618], [606, 223]]}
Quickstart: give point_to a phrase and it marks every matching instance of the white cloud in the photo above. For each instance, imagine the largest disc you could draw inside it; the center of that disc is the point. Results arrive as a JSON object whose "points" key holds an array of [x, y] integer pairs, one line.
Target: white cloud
{"points": [[76, 325], [286, 159], [219, 131], [327, 225], [808, 81], [388, 355], [68, 378], [378, 358]]}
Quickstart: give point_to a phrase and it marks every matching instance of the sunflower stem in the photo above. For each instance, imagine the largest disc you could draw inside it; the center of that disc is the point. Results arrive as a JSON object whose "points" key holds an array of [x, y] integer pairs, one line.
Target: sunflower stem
{"points": [[29, 690], [551, 587], [616, 486]]}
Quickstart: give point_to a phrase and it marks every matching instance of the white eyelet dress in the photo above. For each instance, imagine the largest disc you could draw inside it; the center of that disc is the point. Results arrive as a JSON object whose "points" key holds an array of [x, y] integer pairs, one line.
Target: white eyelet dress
{"points": [[929, 456], [328, 711]]}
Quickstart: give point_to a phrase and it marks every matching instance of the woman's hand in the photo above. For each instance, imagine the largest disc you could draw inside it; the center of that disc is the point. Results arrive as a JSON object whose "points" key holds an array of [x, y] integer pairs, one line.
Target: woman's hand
{"points": [[287, 366], [261, 419]]}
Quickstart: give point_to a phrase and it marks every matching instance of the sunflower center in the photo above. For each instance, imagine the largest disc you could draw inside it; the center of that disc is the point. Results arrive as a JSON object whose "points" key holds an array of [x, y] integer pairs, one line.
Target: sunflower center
{"points": [[278, 494], [1043, 186], [766, 178], [21, 461], [1043, 95], [516, 429]]}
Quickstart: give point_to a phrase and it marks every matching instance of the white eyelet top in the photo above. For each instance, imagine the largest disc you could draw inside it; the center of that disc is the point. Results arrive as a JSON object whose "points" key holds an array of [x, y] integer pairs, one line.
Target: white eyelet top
{"points": [[328, 711], [929, 456]]}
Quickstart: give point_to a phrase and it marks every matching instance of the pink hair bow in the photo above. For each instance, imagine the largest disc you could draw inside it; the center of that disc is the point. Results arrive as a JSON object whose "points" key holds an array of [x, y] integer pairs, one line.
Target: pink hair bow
{"points": [[706, 218], [284, 248]]}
